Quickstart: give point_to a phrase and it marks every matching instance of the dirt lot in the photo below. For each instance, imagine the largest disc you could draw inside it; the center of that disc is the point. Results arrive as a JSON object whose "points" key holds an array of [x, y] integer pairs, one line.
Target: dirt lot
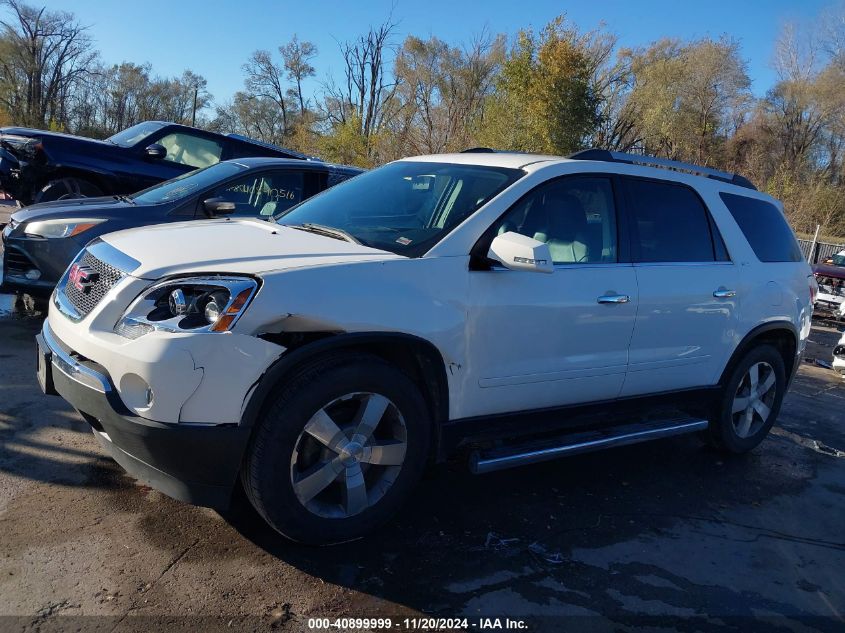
{"points": [[668, 535]]}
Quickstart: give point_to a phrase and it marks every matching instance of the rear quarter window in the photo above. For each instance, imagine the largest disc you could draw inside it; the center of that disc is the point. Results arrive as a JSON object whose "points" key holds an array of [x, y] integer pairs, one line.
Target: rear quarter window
{"points": [[765, 228]]}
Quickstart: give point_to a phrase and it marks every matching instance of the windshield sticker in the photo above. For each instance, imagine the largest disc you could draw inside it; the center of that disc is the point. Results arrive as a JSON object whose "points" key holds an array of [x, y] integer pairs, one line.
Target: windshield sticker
{"points": [[404, 241], [179, 191]]}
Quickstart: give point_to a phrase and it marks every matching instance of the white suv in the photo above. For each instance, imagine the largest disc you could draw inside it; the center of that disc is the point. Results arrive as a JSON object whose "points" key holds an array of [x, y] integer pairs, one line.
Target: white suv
{"points": [[508, 307]]}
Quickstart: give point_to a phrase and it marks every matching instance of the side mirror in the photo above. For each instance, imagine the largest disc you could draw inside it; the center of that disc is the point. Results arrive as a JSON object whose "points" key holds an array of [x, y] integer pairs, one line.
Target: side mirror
{"points": [[217, 206], [156, 151], [520, 252]]}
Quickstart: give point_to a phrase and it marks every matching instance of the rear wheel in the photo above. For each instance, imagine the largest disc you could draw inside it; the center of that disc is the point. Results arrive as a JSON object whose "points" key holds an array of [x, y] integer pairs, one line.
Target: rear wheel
{"points": [[338, 450], [750, 401], [67, 188]]}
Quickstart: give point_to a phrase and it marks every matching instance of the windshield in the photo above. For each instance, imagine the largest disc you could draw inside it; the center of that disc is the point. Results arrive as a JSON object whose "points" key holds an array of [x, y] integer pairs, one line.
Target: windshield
{"points": [[186, 184], [133, 135], [839, 259], [404, 207]]}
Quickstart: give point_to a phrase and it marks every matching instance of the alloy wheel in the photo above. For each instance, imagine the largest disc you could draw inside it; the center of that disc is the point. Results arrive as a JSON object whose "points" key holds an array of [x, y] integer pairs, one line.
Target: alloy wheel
{"points": [[348, 455], [754, 398]]}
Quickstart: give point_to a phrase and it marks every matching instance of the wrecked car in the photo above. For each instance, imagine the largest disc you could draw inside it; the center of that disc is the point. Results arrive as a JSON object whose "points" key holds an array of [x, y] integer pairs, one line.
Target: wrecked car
{"points": [[42, 166], [507, 307], [830, 299]]}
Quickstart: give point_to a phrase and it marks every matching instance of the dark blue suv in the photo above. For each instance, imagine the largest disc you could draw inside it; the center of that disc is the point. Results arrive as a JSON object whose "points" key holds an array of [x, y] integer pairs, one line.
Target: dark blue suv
{"points": [[40, 241], [41, 166]]}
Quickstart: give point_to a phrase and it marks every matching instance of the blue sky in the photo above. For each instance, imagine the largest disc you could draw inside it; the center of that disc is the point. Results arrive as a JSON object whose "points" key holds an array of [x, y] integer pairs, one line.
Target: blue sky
{"points": [[215, 37]]}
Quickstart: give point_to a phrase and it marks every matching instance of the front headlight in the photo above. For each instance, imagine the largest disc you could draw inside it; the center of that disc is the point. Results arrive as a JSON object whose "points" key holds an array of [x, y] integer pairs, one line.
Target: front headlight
{"points": [[60, 228], [188, 304], [25, 146]]}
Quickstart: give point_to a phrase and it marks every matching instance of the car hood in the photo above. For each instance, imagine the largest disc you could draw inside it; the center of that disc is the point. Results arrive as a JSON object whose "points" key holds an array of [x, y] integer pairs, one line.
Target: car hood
{"points": [[244, 246], [77, 207]]}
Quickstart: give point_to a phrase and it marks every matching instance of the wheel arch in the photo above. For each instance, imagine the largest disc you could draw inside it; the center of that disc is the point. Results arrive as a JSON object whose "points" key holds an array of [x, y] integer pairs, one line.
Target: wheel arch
{"points": [[103, 180], [780, 334], [415, 356]]}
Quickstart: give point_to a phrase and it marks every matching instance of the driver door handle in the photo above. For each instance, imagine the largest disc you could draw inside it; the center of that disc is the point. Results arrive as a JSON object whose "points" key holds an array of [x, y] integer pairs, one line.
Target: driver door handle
{"points": [[614, 299]]}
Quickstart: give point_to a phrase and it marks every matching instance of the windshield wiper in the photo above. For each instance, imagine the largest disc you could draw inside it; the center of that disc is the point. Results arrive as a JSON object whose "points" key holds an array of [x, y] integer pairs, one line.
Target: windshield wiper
{"points": [[328, 231], [126, 199]]}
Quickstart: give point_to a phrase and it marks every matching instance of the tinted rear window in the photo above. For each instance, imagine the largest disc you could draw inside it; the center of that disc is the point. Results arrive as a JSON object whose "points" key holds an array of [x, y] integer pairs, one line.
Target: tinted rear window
{"points": [[670, 223], [765, 228]]}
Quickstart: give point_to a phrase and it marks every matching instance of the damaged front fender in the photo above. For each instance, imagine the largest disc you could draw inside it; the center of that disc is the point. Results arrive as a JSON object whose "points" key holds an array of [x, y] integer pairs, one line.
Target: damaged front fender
{"points": [[23, 165]]}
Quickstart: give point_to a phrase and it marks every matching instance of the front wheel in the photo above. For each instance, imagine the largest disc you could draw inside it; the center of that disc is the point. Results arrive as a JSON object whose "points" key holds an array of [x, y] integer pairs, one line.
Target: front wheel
{"points": [[67, 188], [338, 449], [750, 401]]}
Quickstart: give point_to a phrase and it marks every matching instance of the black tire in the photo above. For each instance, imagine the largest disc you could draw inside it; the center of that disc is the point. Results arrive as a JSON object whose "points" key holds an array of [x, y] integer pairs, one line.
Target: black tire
{"points": [[269, 467], [726, 427], [67, 188]]}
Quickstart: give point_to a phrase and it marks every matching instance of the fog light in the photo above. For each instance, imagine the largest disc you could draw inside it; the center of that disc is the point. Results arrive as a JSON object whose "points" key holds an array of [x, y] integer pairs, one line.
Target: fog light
{"points": [[135, 392], [33, 274]]}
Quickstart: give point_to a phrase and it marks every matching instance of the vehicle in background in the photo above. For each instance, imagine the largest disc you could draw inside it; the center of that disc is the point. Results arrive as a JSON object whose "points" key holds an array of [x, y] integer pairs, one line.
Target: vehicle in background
{"points": [[510, 307], [839, 357], [41, 166], [836, 260], [41, 240], [830, 300]]}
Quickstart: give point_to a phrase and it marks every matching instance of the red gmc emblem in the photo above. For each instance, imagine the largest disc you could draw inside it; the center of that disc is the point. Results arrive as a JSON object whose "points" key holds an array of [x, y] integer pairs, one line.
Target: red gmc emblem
{"points": [[82, 277]]}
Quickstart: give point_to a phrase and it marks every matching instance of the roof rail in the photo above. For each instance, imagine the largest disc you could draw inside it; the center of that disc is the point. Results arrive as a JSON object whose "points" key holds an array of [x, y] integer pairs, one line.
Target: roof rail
{"points": [[653, 161]]}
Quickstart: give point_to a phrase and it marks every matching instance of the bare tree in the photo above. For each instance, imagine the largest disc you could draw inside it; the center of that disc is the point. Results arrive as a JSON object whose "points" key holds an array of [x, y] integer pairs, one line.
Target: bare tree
{"points": [[297, 58], [796, 53], [45, 54], [442, 90], [265, 78], [367, 89]]}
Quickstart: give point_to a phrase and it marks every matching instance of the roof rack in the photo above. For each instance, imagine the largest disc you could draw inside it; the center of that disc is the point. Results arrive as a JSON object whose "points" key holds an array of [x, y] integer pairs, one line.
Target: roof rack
{"points": [[652, 161], [479, 150]]}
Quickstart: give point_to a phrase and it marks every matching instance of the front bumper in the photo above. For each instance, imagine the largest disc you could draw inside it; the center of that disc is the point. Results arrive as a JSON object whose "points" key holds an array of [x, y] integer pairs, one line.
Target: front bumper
{"points": [[49, 257], [195, 463]]}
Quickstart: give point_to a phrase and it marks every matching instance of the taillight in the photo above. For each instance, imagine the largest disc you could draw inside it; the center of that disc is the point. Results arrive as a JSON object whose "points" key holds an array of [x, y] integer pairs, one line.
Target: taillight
{"points": [[814, 288]]}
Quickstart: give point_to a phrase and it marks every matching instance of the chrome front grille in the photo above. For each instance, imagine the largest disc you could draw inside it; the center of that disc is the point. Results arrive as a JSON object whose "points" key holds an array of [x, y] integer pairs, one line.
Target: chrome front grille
{"points": [[101, 278]]}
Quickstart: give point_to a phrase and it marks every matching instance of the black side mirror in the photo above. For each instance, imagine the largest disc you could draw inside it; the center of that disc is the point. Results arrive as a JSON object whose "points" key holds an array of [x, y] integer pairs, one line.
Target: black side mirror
{"points": [[156, 151], [217, 206]]}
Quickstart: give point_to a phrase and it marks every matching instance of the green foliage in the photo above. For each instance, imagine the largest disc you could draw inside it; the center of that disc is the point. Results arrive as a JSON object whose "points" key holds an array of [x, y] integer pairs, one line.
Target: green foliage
{"points": [[686, 96], [346, 144], [543, 101]]}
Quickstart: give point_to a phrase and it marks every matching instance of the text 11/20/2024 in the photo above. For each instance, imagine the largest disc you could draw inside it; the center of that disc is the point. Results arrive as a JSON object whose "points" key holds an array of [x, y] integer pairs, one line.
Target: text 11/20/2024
{"points": [[418, 624]]}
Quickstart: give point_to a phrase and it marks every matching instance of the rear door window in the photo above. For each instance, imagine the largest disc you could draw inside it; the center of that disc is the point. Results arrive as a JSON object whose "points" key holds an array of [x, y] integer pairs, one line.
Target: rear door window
{"points": [[765, 228], [669, 223]]}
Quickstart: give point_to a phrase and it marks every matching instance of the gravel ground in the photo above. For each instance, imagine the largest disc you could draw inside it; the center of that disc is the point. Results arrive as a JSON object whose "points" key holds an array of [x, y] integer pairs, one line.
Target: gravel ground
{"points": [[661, 536]]}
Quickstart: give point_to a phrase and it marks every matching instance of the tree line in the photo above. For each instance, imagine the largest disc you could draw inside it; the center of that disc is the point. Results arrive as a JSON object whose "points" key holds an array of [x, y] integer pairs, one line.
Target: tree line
{"points": [[551, 90]]}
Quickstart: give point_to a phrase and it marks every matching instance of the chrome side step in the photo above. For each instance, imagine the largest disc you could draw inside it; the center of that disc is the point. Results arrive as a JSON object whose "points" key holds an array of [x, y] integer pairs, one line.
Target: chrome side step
{"points": [[573, 444]]}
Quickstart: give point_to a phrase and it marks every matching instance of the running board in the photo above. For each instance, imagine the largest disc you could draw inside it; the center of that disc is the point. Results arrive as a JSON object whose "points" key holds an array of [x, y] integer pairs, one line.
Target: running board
{"points": [[541, 451]]}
